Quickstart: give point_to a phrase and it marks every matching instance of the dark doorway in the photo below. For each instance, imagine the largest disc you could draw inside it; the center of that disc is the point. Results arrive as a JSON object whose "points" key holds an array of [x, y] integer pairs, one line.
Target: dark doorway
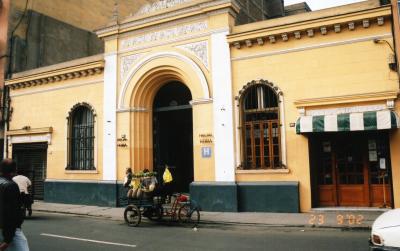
{"points": [[347, 169], [173, 134], [32, 161]]}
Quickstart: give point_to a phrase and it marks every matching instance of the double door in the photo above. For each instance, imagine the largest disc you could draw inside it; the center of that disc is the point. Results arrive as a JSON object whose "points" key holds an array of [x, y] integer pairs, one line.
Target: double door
{"points": [[353, 170]]}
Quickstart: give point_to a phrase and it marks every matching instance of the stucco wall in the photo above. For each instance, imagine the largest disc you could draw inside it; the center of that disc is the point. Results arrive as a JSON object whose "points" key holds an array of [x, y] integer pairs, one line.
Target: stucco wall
{"points": [[48, 106], [318, 68]]}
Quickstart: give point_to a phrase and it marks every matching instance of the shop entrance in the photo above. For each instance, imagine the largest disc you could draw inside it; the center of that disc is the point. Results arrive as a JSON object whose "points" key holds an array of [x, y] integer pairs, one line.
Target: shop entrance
{"points": [[173, 134], [32, 161], [351, 169]]}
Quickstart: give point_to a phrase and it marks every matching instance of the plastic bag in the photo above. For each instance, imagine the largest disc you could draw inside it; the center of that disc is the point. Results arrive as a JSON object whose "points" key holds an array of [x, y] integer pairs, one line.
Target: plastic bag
{"points": [[167, 176]]}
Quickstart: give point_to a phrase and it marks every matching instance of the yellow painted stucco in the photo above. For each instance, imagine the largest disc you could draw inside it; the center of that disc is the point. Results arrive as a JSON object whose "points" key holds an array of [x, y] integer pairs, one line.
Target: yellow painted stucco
{"points": [[339, 69], [48, 106]]}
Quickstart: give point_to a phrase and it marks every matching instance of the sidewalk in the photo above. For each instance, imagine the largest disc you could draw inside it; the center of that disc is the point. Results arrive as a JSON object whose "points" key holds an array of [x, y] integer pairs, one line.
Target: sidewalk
{"points": [[329, 218]]}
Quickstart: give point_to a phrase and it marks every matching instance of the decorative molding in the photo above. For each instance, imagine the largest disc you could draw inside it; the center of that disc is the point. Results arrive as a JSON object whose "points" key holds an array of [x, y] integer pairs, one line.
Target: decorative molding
{"points": [[366, 23], [248, 43], [304, 48], [201, 101], [159, 5], [337, 28], [236, 40], [390, 104], [381, 21], [324, 30], [263, 171], [365, 97], [133, 109], [167, 54], [260, 41], [67, 73], [127, 62], [81, 172], [167, 34], [342, 110], [55, 88], [28, 131], [272, 39], [201, 35], [199, 49], [352, 26], [310, 32], [77, 105], [259, 82], [17, 139]]}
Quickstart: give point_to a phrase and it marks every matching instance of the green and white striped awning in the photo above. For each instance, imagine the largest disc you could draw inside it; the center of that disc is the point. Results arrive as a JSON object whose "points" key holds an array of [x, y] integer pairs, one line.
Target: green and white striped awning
{"points": [[360, 121]]}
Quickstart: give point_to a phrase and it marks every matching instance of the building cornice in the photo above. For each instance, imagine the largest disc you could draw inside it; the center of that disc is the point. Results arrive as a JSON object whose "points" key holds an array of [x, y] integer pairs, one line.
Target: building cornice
{"points": [[190, 9], [356, 98], [38, 77], [309, 28]]}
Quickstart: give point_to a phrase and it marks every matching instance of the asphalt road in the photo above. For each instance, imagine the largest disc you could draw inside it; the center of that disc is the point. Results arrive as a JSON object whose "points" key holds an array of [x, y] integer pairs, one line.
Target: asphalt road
{"points": [[56, 232]]}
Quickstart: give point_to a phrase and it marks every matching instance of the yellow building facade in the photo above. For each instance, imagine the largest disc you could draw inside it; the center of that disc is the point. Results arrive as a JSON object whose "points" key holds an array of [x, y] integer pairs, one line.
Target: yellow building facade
{"points": [[281, 115]]}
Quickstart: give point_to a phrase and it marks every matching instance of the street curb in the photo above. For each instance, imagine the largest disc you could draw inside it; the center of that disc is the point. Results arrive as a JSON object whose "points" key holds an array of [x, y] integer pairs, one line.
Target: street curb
{"points": [[223, 223]]}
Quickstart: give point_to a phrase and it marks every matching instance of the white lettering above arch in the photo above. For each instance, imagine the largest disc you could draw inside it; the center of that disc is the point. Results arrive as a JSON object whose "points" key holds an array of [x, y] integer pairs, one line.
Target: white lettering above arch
{"points": [[169, 54]]}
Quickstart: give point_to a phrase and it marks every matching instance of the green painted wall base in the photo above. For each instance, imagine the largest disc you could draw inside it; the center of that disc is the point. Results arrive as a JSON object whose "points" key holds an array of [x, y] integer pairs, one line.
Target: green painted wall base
{"points": [[279, 197], [215, 196], [282, 197], [69, 192]]}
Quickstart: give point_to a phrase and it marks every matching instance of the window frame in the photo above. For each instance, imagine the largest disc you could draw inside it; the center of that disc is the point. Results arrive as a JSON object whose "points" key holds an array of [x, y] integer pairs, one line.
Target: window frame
{"points": [[241, 126], [70, 167]]}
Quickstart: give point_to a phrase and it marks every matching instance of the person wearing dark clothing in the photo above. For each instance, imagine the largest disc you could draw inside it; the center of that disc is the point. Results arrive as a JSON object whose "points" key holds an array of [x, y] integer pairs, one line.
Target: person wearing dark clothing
{"points": [[11, 218]]}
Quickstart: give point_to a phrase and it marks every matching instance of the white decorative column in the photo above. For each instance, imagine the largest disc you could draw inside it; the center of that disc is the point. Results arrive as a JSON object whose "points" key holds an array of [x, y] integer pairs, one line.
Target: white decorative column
{"points": [[110, 118], [222, 108]]}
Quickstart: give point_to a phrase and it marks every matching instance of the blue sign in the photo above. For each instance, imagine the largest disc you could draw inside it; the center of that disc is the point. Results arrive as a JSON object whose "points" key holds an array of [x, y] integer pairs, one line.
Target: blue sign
{"points": [[206, 152]]}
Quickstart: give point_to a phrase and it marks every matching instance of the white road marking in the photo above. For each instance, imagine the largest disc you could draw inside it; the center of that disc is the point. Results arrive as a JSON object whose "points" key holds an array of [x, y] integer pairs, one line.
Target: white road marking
{"points": [[87, 240]]}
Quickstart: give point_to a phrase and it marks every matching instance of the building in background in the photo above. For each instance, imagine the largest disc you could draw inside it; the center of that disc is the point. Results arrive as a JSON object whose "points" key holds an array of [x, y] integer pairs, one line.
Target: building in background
{"points": [[396, 26]]}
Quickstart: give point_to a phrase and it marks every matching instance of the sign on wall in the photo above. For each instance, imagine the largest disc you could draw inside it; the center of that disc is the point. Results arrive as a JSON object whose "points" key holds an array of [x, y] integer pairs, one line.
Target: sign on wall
{"points": [[206, 152]]}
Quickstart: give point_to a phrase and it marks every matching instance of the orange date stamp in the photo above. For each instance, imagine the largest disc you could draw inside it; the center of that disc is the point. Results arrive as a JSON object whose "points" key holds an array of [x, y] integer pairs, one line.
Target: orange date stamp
{"points": [[341, 219]]}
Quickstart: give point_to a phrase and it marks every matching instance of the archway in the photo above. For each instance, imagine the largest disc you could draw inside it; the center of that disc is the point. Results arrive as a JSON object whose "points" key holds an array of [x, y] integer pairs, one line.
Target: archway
{"points": [[137, 95], [173, 133]]}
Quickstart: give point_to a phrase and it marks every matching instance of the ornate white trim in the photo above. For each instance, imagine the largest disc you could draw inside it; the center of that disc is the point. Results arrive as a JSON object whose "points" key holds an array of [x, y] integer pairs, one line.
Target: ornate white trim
{"points": [[160, 5], [198, 49], [133, 109], [341, 110], [16, 139], [127, 62], [168, 54], [201, 101], [164, 34]]}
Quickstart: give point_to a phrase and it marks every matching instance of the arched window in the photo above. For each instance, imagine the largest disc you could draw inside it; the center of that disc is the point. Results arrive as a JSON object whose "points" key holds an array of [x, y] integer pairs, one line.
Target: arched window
{"points": [[261, 133], [81, 138]]}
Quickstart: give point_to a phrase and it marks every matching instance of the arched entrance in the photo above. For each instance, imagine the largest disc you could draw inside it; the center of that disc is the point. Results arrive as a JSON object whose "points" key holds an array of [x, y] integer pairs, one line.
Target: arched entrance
{"points": [[173, 133]]}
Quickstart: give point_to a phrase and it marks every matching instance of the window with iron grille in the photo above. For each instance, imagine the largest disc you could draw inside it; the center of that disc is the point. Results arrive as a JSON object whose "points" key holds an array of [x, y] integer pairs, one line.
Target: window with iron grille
{"points": [[81, 138], [261, 134]]}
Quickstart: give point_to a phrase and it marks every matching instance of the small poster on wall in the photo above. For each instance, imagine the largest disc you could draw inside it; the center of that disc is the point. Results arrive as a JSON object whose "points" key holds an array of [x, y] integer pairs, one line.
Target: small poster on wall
{"points": [[373, 156], [382, 163], [206, 152]]}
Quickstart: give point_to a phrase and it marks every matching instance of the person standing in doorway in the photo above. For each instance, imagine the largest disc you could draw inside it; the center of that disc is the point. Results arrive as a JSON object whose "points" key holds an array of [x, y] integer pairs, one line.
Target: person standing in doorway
{"points": [[24, 183], [12, 238]]}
